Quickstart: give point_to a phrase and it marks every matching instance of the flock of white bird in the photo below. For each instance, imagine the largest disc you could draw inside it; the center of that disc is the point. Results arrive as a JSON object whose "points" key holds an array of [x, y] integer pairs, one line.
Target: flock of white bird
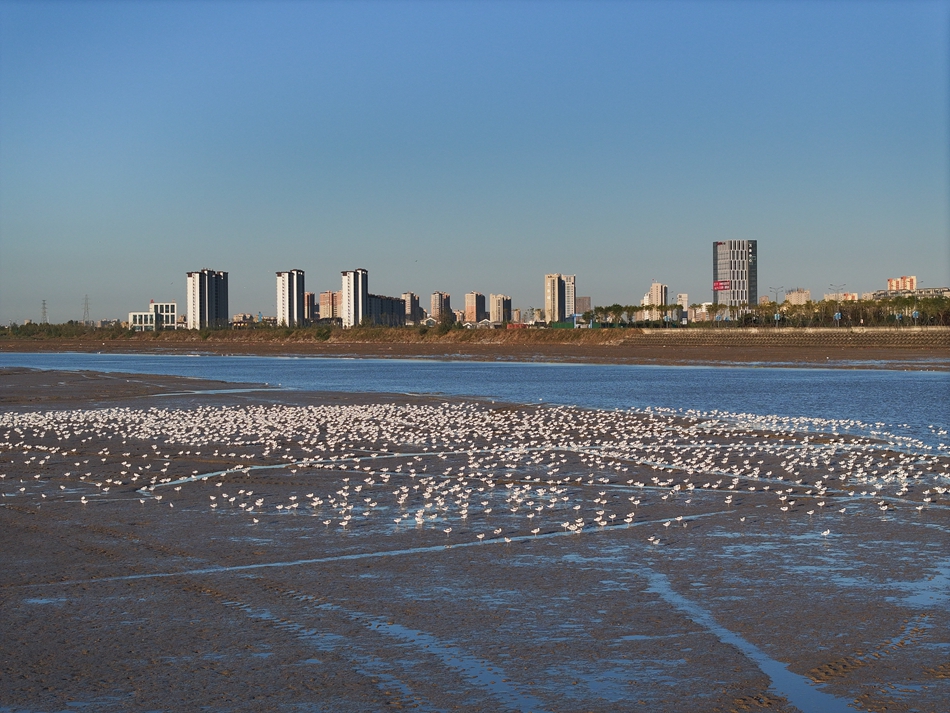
{"points": [[470, 468]]}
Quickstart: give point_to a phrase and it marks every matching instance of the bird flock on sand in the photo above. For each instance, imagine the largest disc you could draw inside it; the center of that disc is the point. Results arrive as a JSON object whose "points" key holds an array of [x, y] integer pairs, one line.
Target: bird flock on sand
{"points": [[470, 471]]}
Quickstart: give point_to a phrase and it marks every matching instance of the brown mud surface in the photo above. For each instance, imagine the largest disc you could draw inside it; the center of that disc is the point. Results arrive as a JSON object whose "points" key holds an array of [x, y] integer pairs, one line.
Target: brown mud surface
{"points": [[866, 350], [171, 544]]}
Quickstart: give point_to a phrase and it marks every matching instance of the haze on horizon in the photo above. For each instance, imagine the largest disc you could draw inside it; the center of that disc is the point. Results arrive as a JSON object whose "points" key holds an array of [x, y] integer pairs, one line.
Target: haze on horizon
{"points": [[466, 146]]}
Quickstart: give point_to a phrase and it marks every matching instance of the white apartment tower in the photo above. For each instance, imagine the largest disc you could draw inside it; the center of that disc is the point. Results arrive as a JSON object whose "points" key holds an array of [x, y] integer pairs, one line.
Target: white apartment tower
{"points": [[207, 299], [354, 307], [735, 273], [291, 308], [570, 296], [554, 298]]}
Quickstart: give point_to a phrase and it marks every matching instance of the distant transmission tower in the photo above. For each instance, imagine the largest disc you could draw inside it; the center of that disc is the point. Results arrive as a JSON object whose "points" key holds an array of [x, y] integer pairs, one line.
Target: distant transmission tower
{"points": [[43, 318], [85, 311]]}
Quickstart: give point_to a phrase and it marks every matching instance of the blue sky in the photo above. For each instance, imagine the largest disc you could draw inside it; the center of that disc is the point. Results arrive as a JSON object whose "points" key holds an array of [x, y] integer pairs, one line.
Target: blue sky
{"points": [[463, 146]]}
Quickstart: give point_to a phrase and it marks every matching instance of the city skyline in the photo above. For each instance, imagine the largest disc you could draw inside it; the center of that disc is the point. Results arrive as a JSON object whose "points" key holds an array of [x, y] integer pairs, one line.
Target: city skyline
{"points": [[353, 303], [611, 140]]}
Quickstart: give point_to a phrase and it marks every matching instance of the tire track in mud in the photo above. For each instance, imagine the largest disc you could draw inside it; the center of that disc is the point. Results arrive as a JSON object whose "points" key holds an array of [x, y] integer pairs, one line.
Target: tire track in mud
{"points": [[413, 652], [842, 667]]}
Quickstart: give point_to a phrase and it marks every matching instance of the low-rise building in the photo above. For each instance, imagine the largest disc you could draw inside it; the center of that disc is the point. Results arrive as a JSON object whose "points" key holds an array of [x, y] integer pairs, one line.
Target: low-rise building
{"points": [[158, 316], [917, 293], [242, 320], [701, 312]]}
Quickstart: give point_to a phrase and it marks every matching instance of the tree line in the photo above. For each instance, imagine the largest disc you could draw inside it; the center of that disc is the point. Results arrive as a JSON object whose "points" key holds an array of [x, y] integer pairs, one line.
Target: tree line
{"points": [[888, 312]]}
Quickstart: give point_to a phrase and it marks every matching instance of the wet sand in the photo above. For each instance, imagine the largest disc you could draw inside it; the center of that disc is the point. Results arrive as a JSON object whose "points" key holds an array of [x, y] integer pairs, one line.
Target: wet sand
{"points": [[262, 566]]}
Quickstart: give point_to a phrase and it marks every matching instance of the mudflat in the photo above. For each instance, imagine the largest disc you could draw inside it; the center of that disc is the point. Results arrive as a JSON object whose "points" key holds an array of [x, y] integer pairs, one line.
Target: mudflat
{"points": [[894, 349], [185, 545]]}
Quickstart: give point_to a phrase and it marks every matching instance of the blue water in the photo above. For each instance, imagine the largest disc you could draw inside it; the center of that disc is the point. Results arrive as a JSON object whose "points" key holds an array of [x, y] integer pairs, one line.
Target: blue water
{"points": [[908, 403]]}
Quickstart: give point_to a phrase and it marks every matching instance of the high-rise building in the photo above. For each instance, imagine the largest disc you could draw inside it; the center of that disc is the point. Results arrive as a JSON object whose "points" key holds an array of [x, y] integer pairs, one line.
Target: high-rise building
{"points": [[581, 305], [735, 273], [554, 298], [797, 296], [682, 299], [413, 310], [657, 296], [499, 308], [291, 309], [354, 305], [386, 311], [207, 299], [475, 307], [441, 307], [654, 298], [311, 307], [330, 304], [570, 296], [904, 282]]}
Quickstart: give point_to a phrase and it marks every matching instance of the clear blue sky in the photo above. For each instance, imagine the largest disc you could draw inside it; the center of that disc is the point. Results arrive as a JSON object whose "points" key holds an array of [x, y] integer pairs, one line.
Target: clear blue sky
{"points": [[463, 146]]}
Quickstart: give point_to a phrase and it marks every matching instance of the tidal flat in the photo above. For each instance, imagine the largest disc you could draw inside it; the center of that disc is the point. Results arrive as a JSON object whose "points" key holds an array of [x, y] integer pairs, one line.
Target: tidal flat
{"points": [[183, 545]]}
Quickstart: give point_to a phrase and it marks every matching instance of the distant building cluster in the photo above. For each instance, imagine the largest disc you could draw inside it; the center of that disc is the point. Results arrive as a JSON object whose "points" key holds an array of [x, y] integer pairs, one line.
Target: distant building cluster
{"points": [[734, 292]]}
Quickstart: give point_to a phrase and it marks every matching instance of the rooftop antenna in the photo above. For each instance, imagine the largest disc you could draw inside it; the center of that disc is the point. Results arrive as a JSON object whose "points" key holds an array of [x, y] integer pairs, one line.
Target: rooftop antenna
{"points": [[43, 317], [85, 311]]}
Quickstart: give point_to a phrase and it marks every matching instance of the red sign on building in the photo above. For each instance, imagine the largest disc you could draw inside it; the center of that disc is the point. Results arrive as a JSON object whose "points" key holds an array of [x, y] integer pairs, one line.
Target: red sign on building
{"points": [[722, 285]]}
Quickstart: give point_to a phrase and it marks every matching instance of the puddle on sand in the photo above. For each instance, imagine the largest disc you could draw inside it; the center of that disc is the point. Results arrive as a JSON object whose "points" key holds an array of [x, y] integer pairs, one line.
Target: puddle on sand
{"points": [[929, 591], [55, 601], [796, 689], [612, 679]]}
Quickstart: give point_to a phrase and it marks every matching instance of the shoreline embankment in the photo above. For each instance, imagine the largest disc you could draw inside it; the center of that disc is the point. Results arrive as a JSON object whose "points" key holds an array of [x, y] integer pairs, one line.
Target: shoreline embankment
{"points": [[908, 347]]}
